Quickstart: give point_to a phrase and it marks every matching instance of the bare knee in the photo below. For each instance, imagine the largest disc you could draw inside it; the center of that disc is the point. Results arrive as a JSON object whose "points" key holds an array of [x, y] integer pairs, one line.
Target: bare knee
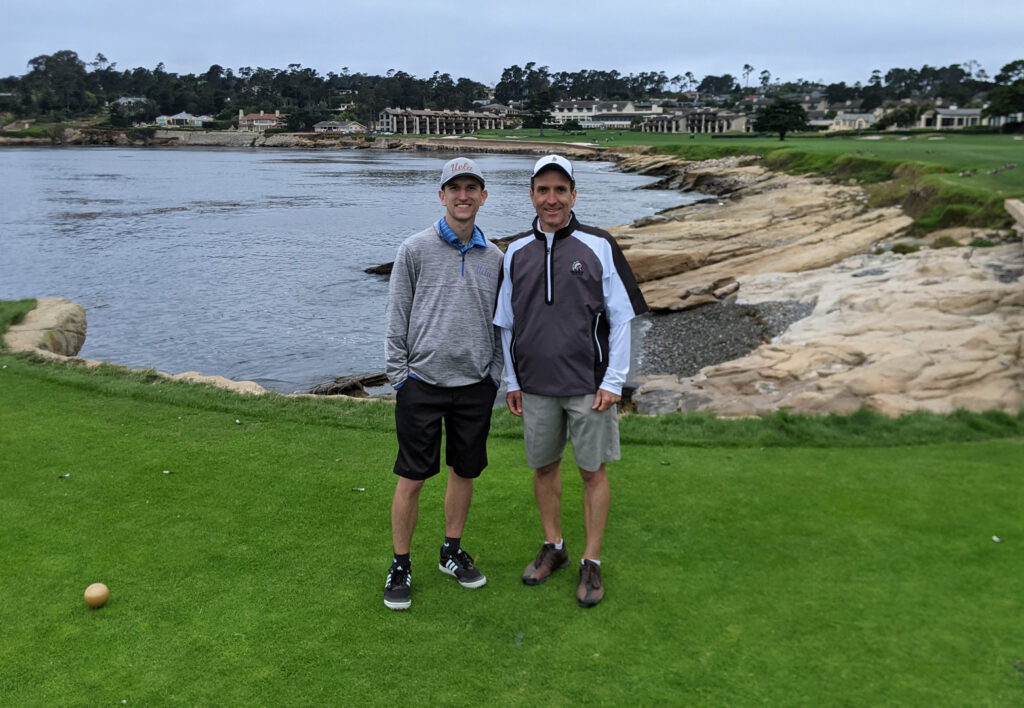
{"points": [[595, 477], [408, 488], [546, 470]]}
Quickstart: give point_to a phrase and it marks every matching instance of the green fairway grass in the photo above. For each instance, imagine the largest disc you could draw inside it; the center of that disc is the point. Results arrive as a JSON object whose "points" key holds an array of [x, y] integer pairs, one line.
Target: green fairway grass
{"points": [[789, 561]]}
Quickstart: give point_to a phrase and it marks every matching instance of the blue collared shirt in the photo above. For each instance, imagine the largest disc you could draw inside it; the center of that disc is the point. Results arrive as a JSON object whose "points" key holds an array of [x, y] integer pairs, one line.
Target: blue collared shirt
{"points": [[448, 235]]}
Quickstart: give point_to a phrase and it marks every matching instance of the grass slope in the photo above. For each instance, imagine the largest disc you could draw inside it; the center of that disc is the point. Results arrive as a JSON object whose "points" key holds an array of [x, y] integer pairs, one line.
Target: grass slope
{"points": [[738, 572]]}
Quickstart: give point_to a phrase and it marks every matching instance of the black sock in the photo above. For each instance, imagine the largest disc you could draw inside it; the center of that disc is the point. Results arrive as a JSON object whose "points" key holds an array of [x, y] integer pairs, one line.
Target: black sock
{"points": [[402, 560], [451, 545]]}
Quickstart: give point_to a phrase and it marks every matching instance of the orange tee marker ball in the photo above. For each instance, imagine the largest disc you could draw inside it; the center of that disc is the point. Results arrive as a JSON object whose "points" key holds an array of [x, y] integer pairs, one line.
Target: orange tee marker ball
{"points": [[96, 595]]}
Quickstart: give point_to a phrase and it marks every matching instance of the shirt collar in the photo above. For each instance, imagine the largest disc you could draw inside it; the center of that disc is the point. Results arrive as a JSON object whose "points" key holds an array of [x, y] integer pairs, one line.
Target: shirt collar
{"points": [[445, 232], [562, 232]]}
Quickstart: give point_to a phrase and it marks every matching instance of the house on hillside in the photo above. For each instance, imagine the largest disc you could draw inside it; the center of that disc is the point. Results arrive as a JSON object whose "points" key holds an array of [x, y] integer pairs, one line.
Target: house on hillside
{"points": [[130, 101], [951, 118], [853, 121], [182, 120], [258, 122], [499, 108], [346, 127]]}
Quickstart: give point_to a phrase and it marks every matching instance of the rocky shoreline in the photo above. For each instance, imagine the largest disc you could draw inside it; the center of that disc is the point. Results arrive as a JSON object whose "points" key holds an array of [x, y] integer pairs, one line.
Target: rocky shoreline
{"points": [[682, 343], [171, 138]]}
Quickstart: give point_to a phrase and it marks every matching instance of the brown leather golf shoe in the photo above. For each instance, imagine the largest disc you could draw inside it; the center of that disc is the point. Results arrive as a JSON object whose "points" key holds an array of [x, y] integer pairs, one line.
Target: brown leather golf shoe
{"points": [[591, 591], [547, 562]]}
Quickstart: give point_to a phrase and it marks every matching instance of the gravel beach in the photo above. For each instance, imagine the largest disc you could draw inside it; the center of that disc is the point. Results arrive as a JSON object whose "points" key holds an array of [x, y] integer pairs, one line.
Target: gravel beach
{"points": [[682, 343]]}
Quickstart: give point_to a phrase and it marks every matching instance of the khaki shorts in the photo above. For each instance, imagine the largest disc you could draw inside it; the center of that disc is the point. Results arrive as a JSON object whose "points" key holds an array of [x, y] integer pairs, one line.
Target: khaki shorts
{"points": [[549, 420]]}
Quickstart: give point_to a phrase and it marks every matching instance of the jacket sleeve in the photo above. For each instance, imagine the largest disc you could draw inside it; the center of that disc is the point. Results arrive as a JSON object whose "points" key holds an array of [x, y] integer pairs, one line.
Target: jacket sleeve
{"points": [[504, 321], [618, 358], [498, 360], [511, 380], [401, 291]]}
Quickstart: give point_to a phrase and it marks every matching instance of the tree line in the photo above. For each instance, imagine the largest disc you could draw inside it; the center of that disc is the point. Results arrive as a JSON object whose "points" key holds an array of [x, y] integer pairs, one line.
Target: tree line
{"points": [[62, 85]]}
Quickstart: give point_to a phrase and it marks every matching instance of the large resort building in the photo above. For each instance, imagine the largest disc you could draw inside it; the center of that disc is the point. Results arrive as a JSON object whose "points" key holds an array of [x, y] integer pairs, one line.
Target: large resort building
{"points": [[619, 115], [406, 121], [651, 117], [698, 120]]}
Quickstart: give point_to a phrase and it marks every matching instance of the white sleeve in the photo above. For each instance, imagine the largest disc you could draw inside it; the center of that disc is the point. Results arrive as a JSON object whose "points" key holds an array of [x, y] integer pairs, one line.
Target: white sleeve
{"points": [[618, 358], [503, 316], [511, 381]]}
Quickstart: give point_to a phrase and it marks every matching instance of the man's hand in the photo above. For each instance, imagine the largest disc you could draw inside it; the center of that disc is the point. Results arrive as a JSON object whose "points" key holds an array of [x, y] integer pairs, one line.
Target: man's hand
{"points": [[514, 401], [603, 400]]}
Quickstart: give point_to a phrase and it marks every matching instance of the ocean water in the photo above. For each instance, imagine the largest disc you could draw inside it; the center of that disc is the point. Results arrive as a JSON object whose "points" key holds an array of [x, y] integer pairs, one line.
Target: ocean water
{"points": [[247, 263]]}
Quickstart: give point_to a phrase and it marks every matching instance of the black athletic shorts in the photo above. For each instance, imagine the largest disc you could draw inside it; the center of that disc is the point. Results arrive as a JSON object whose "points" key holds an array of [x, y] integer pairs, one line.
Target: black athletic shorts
{"points": [[466, 411]]}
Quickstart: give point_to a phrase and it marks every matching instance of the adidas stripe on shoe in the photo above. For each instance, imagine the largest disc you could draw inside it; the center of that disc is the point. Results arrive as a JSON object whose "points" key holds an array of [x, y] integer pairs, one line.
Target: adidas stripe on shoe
{"points": [[460, 566]]}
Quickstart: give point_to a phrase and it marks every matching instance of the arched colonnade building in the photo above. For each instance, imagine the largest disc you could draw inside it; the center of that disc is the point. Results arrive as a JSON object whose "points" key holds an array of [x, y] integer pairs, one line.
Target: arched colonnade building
{"points": [[698, 121], [406, 121]]}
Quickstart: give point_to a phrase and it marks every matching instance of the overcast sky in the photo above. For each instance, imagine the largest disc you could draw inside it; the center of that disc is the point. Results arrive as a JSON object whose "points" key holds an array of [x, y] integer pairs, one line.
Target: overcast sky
{"points": [[821, 40]]}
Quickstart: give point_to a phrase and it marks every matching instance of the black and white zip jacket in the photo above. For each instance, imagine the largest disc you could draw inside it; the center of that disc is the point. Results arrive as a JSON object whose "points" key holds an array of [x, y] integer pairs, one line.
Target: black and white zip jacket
{"points": [[564, 311]]}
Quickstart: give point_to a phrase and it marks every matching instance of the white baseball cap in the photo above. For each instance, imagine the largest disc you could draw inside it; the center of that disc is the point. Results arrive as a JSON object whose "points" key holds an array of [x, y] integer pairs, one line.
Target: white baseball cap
{"points": [[556, 161], [458, 167]]}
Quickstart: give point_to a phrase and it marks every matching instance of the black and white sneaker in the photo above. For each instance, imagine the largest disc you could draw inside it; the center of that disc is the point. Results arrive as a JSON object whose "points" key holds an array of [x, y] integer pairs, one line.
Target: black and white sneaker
{"points": [[398, 588], [460, 566]]}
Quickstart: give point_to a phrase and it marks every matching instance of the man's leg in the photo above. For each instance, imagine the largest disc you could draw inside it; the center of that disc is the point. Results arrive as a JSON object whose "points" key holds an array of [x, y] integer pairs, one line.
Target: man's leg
{"points": [[545, 434], [547, 488], [467, 422], [595, 436], [404, 511], [454, 560], [456, 504], [596, 502]]}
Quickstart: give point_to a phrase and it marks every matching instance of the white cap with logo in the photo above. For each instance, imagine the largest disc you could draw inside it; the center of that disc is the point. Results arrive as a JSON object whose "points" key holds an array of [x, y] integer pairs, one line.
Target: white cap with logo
{"points": [[458, 167], [556, 161]]}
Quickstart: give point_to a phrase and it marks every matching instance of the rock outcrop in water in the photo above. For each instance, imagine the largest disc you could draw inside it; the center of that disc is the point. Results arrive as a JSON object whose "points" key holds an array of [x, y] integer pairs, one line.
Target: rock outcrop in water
{"points": [[54, 329]]}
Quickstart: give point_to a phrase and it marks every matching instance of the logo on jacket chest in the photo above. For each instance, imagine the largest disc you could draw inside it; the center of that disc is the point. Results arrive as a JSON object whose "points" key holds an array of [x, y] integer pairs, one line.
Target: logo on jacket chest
{"points": [[485, 272], [576, 268]]}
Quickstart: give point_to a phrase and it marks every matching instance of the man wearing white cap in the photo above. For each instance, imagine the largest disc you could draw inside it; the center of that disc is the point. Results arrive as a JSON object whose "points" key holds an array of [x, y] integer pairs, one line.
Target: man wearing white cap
{"points": [[444, 359], [564, 307]]}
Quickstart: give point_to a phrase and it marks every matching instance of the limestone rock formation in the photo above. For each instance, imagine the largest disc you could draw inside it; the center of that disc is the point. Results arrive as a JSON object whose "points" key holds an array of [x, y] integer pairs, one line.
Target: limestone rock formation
{"points": [[768, 223], [249, 387], [935, 330], [55, 328]]}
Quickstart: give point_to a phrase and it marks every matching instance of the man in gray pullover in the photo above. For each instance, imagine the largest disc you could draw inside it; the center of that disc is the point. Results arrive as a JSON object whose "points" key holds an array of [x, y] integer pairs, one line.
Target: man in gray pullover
{"points": [[444, 358]]}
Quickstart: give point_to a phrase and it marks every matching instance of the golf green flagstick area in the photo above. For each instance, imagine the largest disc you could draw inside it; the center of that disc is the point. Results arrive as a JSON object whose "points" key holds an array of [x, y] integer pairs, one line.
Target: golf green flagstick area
{"points": [[245, 540]]}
